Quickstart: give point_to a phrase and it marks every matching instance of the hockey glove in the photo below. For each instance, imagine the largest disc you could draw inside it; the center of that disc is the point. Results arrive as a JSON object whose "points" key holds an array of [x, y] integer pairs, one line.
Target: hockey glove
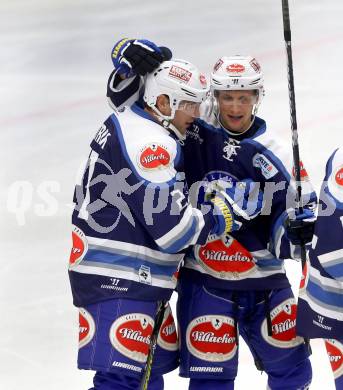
{"points": [[133, 57], [299, 230], [234, 204]]}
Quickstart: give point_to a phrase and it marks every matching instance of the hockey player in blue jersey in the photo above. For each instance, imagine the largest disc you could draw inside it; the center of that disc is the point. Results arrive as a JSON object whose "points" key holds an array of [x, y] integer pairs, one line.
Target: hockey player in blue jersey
{"points": [[237, 283], [132, 224], [320, 305]]}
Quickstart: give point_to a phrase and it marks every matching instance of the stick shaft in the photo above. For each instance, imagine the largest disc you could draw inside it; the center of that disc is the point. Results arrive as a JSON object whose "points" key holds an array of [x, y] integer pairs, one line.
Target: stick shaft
{"points": [[153, 343], [295, 143], [293, 113]]}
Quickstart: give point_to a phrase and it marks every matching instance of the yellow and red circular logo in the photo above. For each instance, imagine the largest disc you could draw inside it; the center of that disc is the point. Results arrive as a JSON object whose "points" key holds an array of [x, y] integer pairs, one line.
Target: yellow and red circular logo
{"points": [[283, 319], [130, 335], [86, 327], [167, 338], [212, 338], [335, 353], [154, 156], [226, 259], [79, 247]]}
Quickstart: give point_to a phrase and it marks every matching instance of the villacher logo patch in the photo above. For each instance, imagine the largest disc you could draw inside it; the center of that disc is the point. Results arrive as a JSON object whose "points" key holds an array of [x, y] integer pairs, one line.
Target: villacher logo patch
{"points": [[154, 156], [79, 247], [167, 338], [86, 327], [335, 352], [130, 335], [283, 319], [212, 338], [225, 260]]}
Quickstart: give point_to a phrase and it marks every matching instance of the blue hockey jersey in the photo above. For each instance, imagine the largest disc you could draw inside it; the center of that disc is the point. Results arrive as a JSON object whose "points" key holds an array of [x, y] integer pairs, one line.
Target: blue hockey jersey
{"points": [[252, 257], [320, 306], [132, 218]]}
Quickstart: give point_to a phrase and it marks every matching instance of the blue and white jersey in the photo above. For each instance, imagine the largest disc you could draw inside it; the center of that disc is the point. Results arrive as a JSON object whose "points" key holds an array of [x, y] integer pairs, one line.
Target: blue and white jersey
{"points": [[252, 257], [132, 218], [320, 310]]}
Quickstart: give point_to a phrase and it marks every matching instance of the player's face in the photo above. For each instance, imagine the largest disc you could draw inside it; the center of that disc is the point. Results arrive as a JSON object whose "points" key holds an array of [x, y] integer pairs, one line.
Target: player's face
{"points": [[235, 109], [185, 115], [182, 121]]}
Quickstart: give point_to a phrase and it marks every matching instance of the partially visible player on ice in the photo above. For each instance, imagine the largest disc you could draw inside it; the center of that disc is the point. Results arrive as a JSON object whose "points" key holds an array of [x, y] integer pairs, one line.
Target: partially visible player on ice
{"points": [[320, 304]]}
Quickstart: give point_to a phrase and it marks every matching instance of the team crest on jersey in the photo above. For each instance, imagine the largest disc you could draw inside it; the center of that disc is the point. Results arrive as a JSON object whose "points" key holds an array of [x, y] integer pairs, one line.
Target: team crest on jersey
{"points": [[212, 181], [154, 156], [261, 162], [167, 338], [283, 319], [303, 172], [130, 335], [212, 338], [225, 258], [334, 350], [79, 247], [86, 327], [235, 68], [180, 73], [230, 149]]}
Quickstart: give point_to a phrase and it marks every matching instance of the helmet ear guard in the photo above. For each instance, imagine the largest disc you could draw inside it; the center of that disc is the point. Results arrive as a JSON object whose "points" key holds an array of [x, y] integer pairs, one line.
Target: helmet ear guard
{"points": [[209, 107]]}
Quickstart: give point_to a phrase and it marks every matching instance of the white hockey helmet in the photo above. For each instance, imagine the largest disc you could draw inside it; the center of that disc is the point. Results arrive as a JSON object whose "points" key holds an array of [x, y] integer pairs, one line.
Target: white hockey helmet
{"points": [[179, 80], [238, 73]]}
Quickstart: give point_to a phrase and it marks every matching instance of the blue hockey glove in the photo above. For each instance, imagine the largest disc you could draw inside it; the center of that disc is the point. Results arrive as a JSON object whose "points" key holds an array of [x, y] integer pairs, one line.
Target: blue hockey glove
{"points": [[299, 230], [234, 204], [133, 57]]}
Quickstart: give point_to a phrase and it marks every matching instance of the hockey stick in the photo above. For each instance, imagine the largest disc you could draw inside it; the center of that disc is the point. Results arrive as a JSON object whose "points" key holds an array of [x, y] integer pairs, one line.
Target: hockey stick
{"points": [[294, 126], [153, 343]]}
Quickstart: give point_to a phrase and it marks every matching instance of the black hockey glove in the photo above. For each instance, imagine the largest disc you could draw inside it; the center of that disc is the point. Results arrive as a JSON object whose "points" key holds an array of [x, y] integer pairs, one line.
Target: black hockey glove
{"points": [[138, 56], [300, 229]]}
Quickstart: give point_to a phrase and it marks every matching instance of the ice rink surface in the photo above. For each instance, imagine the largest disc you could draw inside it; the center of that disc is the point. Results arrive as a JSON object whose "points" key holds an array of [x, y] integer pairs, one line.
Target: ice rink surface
{"points": [[55, 60]]}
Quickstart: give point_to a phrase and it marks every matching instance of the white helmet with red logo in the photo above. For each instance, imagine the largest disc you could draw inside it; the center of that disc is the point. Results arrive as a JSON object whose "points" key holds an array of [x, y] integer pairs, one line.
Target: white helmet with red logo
{"points": [[238, 73], [233, 74], [179, 80]]}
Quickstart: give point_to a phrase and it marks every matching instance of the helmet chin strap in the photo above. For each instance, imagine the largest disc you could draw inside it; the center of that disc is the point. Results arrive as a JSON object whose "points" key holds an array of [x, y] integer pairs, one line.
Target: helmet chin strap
{"points": [[160, 116], [166, 123]]}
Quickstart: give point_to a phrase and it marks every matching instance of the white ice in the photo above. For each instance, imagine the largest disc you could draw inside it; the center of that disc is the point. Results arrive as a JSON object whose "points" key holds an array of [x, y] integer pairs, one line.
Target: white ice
{"points": [[55, 59]]}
